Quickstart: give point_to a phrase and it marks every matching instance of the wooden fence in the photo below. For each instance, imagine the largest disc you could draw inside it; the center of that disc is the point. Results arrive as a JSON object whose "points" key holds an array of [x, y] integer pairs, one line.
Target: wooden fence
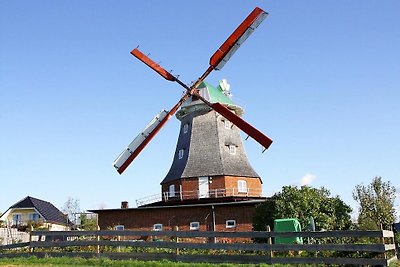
{"points": [[328, 247]]}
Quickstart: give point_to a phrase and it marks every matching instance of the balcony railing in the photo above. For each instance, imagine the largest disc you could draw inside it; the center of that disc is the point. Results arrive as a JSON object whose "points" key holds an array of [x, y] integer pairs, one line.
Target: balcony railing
{"points": [[211, 193]]}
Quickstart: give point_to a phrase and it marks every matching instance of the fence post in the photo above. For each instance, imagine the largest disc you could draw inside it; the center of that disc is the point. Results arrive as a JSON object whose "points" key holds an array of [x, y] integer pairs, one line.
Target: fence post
{"points": [[98, 239], [271, 254], [176, 229], [31, 249]]}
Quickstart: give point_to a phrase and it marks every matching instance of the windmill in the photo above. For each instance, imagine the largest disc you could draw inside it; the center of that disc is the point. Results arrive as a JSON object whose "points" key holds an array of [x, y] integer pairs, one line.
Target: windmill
{"points": [[217, 61]]}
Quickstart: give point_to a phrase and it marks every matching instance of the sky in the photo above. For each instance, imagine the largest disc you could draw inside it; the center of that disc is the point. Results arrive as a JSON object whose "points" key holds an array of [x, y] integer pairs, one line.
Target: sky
{"points": [[321, 78]]}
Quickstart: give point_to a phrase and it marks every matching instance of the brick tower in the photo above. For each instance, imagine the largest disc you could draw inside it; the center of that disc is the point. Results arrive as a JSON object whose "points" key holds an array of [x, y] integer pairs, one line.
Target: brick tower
{"points": [[210, 161]]}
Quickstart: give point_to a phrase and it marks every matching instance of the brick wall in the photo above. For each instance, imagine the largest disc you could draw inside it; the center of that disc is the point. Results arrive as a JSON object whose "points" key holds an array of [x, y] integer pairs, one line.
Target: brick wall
{"points": [[190, 186], [145, 218]]}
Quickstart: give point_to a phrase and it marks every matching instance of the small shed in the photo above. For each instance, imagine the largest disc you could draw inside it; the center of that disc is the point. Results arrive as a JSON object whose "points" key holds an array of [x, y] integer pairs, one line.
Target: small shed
{"points": [[287, 225]]}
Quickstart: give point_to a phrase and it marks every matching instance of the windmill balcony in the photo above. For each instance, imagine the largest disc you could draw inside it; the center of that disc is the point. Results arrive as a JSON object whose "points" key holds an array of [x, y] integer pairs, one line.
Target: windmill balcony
{"points": [[196, 194]]}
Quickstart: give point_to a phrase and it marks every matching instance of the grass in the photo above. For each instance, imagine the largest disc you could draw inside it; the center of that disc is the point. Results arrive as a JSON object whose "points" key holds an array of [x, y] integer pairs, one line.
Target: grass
{"points": [[80, 262]]}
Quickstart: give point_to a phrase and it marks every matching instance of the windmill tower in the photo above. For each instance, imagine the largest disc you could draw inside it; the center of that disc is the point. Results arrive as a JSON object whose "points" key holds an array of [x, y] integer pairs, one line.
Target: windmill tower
{"points": [[210, 161]]}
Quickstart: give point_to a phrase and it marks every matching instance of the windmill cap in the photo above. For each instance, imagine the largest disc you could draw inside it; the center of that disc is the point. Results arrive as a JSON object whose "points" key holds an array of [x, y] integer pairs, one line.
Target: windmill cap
{"points": [[220, 94]]}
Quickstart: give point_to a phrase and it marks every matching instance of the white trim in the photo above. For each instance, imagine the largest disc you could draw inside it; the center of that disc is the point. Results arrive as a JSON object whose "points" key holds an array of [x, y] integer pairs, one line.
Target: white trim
{"points": [[232, 149]]}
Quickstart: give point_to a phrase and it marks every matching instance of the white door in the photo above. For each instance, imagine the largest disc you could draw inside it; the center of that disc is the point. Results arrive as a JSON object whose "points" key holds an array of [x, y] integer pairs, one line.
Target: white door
{"points": [[203, 187]]}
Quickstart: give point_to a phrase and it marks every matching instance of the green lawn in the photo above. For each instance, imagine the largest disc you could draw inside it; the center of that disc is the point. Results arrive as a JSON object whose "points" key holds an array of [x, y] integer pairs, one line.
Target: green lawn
{"points": [[79, 262]]}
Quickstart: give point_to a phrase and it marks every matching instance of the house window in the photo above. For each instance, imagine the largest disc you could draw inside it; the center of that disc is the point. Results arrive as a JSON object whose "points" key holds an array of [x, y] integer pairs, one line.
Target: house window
{"points": [[171, 190], [194, 226], [230, 224], [228, 124], [119, 227], [185, 128], [180, 153], [33, 217], [157, 227], [17, 219], [242, 186], [232, 149]]}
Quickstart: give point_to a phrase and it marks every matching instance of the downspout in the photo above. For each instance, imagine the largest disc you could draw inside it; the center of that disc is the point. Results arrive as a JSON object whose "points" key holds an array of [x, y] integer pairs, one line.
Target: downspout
{"points": [[214, 240]]}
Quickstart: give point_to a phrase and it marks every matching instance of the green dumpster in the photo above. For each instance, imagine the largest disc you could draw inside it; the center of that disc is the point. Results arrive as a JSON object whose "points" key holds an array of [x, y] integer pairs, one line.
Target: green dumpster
{"points": [[287, 225]]}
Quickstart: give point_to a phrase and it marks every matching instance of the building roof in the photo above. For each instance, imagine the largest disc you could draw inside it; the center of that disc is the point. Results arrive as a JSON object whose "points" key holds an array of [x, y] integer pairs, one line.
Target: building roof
{"points": [[47, 210], [162, 206]]}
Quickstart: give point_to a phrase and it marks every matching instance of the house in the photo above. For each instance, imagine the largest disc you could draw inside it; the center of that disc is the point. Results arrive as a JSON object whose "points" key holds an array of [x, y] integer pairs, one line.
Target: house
{"points": [[30, 210], [224, 216]]}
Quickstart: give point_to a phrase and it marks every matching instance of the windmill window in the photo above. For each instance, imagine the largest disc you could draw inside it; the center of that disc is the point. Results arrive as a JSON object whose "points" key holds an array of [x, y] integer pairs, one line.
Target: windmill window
{"points": [[158, 227], [230, 224], [171, 190], [232, 149], [185, 128], [228, 124], [194, 226], [242, 186], [181, 153]]}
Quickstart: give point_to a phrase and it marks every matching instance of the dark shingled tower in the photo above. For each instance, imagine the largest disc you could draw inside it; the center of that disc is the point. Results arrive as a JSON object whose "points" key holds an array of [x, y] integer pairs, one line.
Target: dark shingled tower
{"points": [[210, 160]]}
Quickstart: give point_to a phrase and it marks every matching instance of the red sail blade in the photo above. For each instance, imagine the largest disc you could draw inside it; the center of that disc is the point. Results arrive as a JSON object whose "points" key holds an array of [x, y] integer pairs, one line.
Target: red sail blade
{"points": [[156, 67], [264, 140], [141, 141], [245, 29]]}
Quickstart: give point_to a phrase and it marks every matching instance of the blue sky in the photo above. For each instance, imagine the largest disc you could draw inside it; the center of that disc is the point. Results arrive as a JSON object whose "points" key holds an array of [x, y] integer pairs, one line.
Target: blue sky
{"points": [[321, 78]]}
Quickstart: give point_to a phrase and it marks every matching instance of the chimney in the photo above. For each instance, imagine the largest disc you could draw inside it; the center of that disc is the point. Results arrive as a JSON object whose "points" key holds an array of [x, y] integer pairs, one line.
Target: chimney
{"points": [[124, 205]]}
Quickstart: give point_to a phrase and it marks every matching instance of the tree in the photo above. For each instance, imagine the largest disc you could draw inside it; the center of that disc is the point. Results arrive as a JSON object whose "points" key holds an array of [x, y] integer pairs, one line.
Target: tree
{"points": [[71, 208], [88, 221], [376, 202], [329, 213]]}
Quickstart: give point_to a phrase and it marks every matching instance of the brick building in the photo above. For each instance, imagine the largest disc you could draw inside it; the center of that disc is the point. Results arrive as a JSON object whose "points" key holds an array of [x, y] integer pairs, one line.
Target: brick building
{"points": [[210, 185]]}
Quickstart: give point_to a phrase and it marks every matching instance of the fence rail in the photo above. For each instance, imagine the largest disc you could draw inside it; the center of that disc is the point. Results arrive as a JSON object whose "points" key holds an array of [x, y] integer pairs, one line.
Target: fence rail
{"points": [[199, 246]]}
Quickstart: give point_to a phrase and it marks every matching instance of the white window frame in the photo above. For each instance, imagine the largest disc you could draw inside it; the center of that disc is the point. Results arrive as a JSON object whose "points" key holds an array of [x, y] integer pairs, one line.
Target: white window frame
{"points": [[171, 190], [158, 227], [232, 149], [230, 223], [228, 124], [17, 218], [181, 152], [120, 227], [185, 128], [194, 226], [242, 186]]}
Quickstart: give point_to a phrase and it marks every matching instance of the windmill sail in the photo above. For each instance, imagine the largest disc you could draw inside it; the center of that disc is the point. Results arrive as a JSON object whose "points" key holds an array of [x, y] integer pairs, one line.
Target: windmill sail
{"points": [[245, 29], [131, 152]]}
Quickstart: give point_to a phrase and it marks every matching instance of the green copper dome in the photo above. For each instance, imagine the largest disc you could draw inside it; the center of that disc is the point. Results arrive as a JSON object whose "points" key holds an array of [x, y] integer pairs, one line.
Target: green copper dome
{"points": [[220, 94]]}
